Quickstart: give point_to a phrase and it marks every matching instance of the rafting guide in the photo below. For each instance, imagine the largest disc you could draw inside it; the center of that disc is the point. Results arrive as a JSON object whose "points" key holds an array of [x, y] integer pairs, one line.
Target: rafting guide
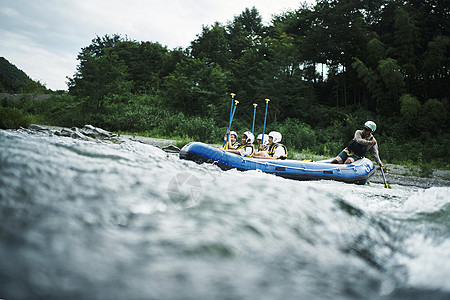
{"points": [[362, 142]]}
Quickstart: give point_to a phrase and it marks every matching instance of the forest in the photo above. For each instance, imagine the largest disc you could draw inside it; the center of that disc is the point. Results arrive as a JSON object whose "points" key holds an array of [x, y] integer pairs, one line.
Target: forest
{"points": [[326, 68]]}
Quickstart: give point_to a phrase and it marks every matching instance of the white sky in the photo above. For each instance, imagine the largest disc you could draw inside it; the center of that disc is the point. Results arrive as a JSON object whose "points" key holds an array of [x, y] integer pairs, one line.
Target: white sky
{"points": [[44, 37]]}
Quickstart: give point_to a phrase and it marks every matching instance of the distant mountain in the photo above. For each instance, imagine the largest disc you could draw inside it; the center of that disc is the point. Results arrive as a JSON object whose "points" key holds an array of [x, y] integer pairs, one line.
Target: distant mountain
{"points": [[16, 81]]}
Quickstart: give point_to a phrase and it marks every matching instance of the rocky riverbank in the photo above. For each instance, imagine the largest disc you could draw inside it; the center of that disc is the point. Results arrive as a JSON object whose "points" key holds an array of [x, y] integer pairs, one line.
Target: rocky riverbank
{"points": [[89, 132], [395, 174]]}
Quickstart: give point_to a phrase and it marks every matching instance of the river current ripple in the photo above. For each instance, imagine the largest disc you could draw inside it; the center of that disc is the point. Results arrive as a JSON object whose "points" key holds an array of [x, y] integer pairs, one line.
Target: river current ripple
{"points": [[99, 220]]}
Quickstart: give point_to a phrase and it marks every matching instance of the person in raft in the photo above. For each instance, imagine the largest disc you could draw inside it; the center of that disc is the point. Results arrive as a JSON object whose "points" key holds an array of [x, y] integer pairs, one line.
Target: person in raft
{"points": [[232, 141], [246, 148], [262, 146], [275, 149], [362, 142]]}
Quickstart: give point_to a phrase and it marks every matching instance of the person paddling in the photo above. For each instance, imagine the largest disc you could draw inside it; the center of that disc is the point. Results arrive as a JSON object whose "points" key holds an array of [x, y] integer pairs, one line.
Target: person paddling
{"points": [[275, 150], [246, 148], [232, 142], [362, 142], [262, 145]]}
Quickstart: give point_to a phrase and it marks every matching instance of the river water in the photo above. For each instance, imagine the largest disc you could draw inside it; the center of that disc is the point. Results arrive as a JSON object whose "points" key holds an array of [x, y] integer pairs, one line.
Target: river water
{"points": [[101, 220]]}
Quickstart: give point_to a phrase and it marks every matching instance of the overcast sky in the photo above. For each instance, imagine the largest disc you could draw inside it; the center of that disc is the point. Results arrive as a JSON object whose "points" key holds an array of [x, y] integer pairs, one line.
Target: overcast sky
{"points": [[44, 37]]}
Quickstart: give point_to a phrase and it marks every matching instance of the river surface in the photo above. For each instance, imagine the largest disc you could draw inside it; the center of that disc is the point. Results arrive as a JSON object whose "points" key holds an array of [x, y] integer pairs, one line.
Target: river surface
{"points": [[101, 220]]}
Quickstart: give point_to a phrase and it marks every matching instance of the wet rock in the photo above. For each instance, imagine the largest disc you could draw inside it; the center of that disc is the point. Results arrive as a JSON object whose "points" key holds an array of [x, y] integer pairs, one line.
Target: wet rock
{"points": [[63, 132], [37, 127], [171, 149], [96, 132]]}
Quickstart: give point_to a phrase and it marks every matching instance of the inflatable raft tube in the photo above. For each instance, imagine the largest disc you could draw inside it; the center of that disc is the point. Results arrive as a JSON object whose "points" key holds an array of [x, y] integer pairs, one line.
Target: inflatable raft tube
{"points": [[359, 172]]}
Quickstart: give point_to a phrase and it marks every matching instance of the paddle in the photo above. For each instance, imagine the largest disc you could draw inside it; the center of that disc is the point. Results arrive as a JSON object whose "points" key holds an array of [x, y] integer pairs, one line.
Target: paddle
{"points": [[254, 113], [229, 118], [231, 109], [232, 112], [386, 185], [265, 116]]}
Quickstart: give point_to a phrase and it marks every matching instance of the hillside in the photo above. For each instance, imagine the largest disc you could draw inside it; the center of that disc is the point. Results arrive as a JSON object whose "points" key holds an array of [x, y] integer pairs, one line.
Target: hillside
{"points": [[13, 80]]}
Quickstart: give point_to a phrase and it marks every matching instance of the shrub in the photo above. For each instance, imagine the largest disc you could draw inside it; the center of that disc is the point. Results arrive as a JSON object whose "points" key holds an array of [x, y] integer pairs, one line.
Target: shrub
{"points": [[132, 117], [13, 118], [297, 135], [200, 129], [433, 116], [172, 125], [331, 140], [410, 107]]}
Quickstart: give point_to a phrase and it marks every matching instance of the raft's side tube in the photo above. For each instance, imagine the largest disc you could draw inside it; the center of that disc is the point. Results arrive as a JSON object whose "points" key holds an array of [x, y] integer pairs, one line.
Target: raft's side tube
{"points": [[358, 172]]}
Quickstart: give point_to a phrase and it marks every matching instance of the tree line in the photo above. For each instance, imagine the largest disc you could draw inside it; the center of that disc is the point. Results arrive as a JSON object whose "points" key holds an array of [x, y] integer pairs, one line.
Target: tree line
{"points": [[389, 57], [326, 68]]}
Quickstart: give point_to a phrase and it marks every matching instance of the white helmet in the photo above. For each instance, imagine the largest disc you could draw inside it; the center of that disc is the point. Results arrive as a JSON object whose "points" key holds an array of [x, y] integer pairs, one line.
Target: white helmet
{"points": [[234, 133], [250, 137], [371, 126], [266, 139], [276, 136]]}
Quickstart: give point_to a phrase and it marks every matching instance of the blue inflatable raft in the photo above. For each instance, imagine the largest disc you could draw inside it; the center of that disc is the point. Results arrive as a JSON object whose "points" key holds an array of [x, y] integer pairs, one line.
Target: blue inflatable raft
{"points": [[358, 172]]}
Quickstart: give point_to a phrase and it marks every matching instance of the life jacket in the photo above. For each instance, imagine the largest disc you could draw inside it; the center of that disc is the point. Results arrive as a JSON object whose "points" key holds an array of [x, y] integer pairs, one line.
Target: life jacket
{"points": [[272, 148], [357, 148], [247, 145], [264, 148], [235, 145]]}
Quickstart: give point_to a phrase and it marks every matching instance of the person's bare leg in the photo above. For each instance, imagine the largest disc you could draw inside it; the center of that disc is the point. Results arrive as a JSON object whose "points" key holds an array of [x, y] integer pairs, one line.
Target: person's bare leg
{"points": [[336, 160], [349, 161], [261, 154]]}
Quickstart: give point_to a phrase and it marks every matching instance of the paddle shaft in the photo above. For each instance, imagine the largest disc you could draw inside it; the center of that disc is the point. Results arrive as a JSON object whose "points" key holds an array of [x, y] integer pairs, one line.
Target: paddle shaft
{"points": [[229, 119], [231, 110], [234, 111], [265, 117], [254, 113], [384, 178], [386, 185]]}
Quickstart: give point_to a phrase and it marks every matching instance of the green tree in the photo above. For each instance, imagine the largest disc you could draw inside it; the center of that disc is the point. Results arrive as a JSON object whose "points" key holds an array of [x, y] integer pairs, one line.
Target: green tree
{"points": [[405, 36], [376, 51], [371, 82], [101, 73], [393, 81], [100, 77], [245, 32], [410, 109], [385, 83], [148, 64], [212, 46], [196, 88], [434, 116], [436, 66]]}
